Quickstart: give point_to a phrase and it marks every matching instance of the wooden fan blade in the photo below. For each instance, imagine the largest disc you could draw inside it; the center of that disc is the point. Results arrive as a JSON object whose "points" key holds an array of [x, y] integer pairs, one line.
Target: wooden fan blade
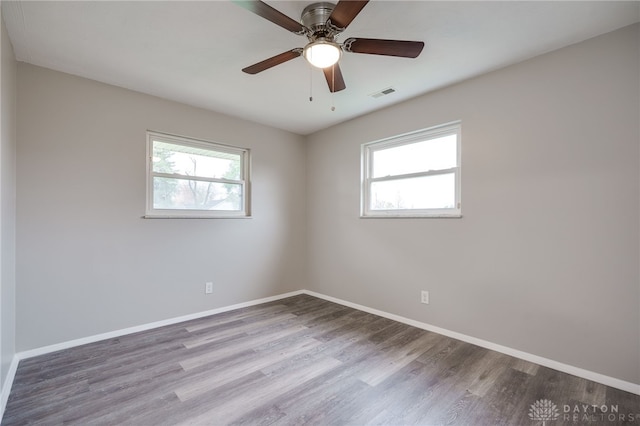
{"points": [[374, 46], [344, 12], [269, 13], [273, 61], [334, 78]]}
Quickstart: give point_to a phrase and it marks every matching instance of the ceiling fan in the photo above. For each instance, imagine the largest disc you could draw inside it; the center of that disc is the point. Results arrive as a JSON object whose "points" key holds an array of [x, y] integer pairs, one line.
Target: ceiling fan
{"points": [[322, 23]]}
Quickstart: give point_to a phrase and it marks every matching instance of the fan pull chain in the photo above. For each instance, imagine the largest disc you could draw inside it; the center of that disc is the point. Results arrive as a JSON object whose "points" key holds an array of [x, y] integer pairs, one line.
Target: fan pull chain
{"points": [[310, 84], [333, 86]]}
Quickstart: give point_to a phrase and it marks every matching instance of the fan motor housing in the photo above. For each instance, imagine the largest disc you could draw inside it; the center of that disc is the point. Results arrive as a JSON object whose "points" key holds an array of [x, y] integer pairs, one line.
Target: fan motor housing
{"points": [[315, 17]]}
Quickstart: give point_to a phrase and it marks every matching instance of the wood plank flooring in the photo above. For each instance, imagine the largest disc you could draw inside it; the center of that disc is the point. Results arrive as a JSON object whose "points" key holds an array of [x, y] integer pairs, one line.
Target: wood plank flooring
{"points": [[295, 361]]}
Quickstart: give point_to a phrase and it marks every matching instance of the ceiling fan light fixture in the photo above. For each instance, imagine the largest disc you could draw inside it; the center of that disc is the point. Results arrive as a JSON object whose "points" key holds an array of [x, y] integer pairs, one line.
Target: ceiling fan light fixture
{"points": [[322, 53]]}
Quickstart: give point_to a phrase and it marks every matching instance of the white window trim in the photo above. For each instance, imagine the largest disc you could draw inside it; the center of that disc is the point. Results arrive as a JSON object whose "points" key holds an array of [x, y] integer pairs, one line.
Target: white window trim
{"points": [[152, 213], [369, 148]]}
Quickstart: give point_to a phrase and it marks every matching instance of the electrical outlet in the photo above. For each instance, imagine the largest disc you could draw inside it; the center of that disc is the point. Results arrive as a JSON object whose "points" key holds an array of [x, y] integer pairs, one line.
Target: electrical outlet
{"points": [[424, 297], [208, 288]]}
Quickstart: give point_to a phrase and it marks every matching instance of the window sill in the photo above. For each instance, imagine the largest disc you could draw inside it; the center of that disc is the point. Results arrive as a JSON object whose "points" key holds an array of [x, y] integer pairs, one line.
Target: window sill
{"points": [[416, 216], [193, 217]]}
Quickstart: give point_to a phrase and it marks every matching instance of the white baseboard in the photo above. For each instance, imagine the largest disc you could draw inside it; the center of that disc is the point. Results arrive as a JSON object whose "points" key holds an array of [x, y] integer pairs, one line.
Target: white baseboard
{"points": [[6, 387], [565, 368], [130, 330]]}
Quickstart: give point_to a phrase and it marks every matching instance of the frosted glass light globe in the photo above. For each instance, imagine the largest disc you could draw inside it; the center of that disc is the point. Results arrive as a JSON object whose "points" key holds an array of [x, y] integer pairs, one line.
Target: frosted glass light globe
{"points": [[322, 53]]}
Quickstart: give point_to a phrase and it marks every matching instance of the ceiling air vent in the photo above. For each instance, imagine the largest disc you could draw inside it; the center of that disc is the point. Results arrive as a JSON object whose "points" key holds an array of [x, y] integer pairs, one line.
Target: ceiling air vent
{"points": [[383, 92]]}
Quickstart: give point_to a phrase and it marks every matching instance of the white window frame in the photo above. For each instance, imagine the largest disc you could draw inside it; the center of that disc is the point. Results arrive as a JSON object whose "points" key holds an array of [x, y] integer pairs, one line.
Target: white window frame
{"points": [[369, 148], [244, 153]]}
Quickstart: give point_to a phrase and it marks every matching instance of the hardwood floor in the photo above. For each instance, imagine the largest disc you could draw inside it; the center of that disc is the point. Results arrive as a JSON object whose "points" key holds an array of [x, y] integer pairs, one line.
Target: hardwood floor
{"points": [[300, 360]]}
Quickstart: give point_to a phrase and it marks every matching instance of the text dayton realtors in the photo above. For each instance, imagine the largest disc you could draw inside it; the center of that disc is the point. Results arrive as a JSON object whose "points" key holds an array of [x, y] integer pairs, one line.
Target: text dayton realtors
{"points": [[590, 413]]}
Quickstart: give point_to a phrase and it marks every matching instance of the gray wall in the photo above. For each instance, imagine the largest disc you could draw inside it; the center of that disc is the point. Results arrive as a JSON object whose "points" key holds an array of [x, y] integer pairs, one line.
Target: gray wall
{"points": [[545, 259], [7, 204], [88, 263]]}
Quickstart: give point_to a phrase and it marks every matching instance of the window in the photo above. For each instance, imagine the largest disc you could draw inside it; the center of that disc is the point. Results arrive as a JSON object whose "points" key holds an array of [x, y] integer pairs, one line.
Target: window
{"points": [[193, 178], [413, 175]]}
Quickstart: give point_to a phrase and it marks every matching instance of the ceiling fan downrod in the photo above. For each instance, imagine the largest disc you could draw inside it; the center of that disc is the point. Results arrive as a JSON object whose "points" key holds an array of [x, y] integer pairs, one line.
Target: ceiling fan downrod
{"points": [[315, 17]]}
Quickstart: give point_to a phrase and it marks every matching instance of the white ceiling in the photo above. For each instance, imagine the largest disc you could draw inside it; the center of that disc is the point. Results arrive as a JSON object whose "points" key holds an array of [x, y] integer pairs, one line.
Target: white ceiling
{"points": [[192, 52]]}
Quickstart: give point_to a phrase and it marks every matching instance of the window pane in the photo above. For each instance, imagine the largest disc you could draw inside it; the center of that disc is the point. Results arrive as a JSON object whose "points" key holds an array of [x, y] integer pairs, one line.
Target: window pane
{"points": [[186, 194], [191, 161], [428, 192], [433, 154]]}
